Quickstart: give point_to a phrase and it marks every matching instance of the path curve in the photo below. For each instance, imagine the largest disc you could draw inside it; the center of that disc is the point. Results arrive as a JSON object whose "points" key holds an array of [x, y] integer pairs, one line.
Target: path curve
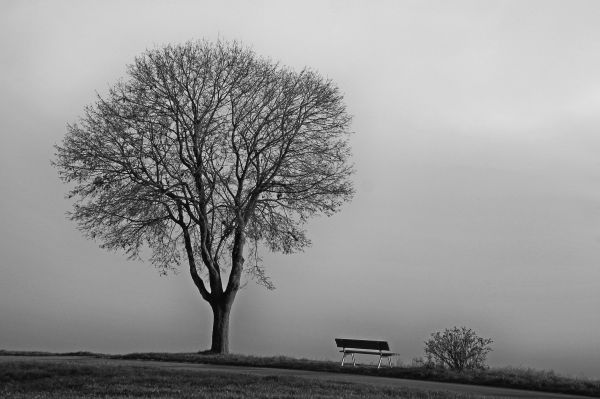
{"points": [[491, 392]]}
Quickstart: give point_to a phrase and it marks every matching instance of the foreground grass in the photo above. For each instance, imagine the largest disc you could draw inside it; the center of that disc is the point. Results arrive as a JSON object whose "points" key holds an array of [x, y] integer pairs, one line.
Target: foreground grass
{"points": [[546, 381], [49, 380], [535, 380]]}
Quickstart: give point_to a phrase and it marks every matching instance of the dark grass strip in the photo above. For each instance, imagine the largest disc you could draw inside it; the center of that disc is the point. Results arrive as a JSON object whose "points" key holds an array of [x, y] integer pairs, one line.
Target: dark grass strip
{"points": [[528, 379], [43, 380]]}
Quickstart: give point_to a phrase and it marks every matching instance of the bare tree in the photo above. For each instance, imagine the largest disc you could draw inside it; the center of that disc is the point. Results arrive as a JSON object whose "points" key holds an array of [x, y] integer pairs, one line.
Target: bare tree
{"points": [[458, 348], [204, 154]]}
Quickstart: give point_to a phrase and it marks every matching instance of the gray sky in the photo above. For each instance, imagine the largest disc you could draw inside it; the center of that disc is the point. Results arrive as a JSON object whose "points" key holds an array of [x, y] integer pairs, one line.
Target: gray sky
{"points": [[477, 151]]}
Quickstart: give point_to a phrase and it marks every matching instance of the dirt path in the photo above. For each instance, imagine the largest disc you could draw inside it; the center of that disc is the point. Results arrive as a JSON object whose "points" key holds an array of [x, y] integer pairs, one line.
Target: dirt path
{"points": [[491, 392]]}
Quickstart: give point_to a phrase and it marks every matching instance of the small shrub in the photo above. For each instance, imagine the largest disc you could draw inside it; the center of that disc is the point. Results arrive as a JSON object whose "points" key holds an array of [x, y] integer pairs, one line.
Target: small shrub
{"points": [[458, 349]]}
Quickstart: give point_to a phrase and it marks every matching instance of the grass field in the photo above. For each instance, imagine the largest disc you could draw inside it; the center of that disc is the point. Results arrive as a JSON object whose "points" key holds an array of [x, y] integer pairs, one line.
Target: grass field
{"points": [[528, 379], [43, 380]]}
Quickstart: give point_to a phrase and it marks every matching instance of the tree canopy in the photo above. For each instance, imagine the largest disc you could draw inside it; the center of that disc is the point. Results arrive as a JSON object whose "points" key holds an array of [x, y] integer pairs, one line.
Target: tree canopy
{"points": [[205, 153]]}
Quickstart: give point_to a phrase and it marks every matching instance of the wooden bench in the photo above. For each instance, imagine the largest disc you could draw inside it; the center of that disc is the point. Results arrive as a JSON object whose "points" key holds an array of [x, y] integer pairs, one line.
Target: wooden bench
{"points": [[364, 346]]}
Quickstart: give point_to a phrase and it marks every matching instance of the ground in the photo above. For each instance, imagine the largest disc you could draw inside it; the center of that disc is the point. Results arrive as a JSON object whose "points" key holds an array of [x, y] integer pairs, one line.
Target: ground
{"points": [[91, 377]]}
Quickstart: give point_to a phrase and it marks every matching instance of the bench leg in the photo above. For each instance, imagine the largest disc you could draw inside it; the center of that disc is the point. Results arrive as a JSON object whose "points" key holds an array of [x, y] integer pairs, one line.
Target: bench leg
{"points": [[390, 361], [353, 360], [379, 365], [343, 358]]}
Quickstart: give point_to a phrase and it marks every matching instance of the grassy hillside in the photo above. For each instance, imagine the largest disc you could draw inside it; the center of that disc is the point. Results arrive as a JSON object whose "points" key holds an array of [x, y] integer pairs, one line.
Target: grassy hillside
{"points": [[51, 380], [506, 377]]}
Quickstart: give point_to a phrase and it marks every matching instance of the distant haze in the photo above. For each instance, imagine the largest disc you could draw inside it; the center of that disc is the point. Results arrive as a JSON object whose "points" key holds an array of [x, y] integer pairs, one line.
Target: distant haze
{"points": [[477, 150]]}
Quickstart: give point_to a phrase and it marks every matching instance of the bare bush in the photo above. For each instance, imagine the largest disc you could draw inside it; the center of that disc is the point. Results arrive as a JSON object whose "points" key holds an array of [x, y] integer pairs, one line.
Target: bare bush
{"points": [[458, 348]]}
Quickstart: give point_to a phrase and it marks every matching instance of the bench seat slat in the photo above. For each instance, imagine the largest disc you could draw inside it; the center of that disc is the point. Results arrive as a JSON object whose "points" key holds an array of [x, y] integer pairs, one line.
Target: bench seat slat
{"points": [[368, 352]]}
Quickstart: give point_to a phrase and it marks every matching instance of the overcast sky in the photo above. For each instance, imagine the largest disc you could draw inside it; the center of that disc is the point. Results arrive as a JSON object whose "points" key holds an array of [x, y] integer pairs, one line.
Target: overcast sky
{"points": [[477, 150]]}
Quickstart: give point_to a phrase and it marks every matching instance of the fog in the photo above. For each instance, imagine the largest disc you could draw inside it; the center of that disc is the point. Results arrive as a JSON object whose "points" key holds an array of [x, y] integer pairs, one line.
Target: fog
{"points": [[477, 153]]}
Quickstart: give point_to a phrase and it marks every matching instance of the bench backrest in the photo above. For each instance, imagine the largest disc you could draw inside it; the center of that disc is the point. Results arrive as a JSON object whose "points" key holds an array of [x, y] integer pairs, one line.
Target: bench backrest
{"points": [[362, 344]]}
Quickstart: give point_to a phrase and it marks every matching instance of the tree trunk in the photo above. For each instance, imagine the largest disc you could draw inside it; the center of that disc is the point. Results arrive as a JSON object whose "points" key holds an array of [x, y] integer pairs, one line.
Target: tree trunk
{"points": [[220, 332]]}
